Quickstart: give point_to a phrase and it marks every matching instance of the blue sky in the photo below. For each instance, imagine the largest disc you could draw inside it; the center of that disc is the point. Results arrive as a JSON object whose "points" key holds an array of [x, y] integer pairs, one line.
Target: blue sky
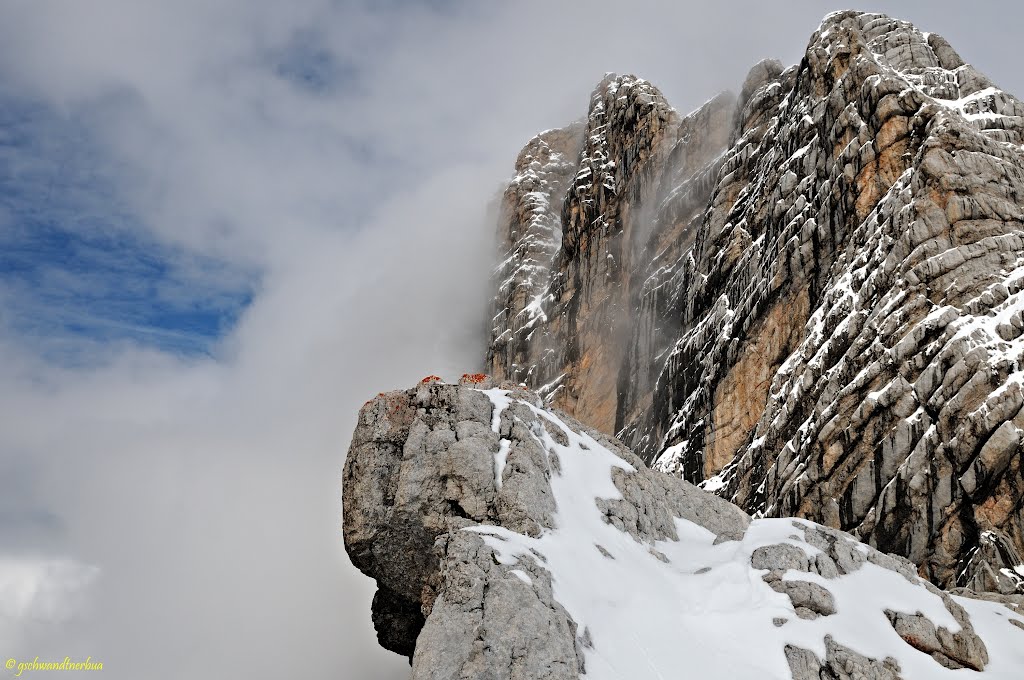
{"points": [[79, 269], [74, 262], [224, 224]]}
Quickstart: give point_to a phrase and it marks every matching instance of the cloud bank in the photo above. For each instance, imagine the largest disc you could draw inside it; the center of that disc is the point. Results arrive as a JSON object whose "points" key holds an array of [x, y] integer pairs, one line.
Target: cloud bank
{"points": [[224, 225]]}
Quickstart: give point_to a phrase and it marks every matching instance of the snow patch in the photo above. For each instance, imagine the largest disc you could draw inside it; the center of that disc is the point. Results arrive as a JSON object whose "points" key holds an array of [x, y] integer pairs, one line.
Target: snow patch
{"points": [[707, 609], [713, 484], [499, 401]]}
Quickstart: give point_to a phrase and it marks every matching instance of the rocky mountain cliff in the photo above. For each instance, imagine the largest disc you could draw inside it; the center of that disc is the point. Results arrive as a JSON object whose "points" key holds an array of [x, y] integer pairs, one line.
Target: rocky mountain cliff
{"points": [[808, 298], [510, 542]]}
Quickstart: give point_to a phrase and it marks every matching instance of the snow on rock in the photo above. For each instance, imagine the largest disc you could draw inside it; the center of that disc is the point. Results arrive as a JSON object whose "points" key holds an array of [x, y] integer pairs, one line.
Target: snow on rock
{"points": [[572, 325], [994, 565], [808, 297], [531, 236], [585, 563]]}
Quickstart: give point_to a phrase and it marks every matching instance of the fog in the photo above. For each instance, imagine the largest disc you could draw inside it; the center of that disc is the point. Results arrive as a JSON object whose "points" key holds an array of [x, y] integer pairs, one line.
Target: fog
{"points": [[174, 511]]}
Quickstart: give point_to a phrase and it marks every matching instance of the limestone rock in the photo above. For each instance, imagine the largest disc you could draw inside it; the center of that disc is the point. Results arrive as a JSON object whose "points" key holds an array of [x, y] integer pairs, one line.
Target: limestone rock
{"points": [[994, 566], [509, 541], [808, 298]]}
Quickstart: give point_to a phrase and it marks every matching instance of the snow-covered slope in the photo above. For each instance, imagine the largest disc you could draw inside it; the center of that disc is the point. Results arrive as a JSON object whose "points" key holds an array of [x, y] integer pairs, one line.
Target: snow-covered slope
{"points": [[810, 299], [539, 548]]}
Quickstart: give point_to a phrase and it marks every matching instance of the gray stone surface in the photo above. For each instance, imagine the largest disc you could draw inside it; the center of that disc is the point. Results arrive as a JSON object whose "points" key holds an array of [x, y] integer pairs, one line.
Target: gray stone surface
{"points": [[840, 663], [842, 555], [421, 474], [994, 566], [486, 622], [421, 468]]}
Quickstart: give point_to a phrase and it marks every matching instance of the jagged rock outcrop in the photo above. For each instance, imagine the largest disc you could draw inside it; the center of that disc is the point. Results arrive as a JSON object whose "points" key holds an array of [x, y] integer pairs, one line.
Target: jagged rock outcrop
{"points": [[563, 319], [985, 567], [809, 298], [525, 341], [509, 541]]}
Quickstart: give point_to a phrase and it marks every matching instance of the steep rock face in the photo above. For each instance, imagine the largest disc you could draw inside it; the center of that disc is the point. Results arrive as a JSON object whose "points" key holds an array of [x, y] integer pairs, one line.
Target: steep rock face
{"points": [[524, 346], [508, 541], [564, 316], [823, 286]]}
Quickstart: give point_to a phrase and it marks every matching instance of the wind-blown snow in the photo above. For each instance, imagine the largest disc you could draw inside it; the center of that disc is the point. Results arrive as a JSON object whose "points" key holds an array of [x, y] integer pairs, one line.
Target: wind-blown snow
{"points": [[706, 612]]}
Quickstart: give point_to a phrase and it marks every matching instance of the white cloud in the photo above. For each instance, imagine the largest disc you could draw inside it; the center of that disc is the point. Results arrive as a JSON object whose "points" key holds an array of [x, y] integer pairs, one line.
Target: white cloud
{"points": [[206, 490], [40, 595]]}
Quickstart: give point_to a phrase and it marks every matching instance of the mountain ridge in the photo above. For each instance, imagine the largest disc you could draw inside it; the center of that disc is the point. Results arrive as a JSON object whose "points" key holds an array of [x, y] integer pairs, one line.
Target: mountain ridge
{"points": [[807, 297], [757, 405]]}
